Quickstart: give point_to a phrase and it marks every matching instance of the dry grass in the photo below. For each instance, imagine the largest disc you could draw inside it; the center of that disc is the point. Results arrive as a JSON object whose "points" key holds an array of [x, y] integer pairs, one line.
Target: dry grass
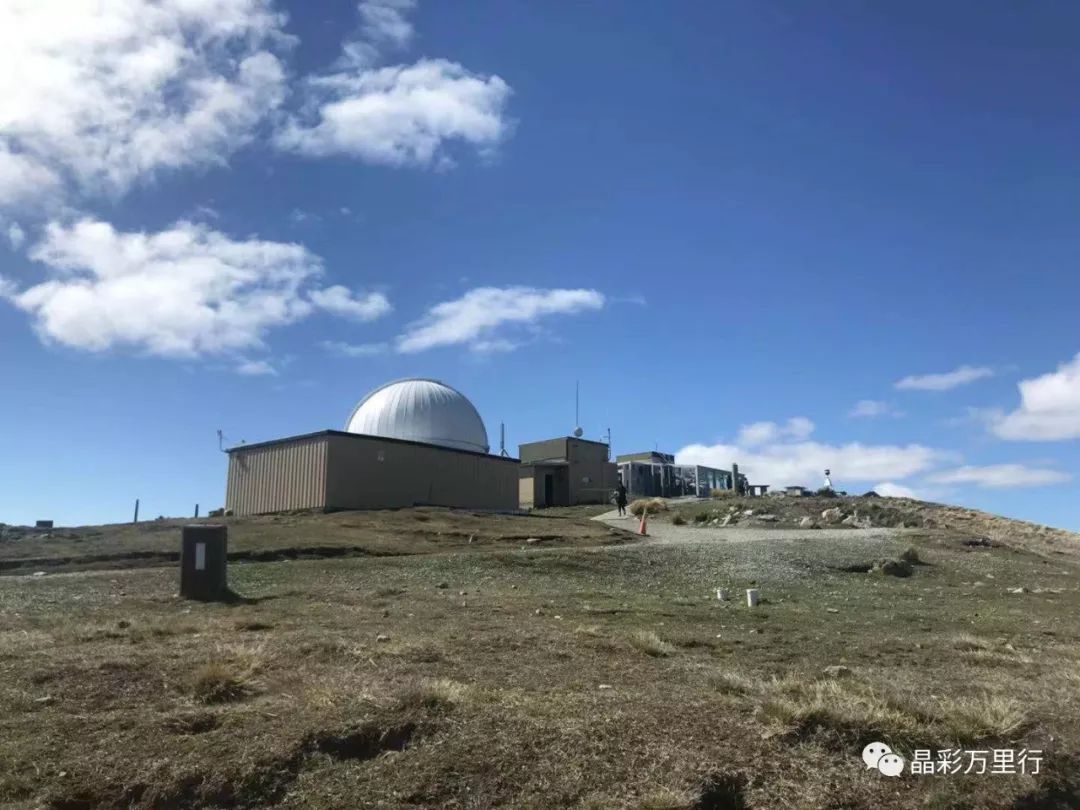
{"points": [[503, 705], [653, 505], [666, 799], [733, 683], [219, 682], [651, 644], [718, 494], [431, 694], [861, 712]]}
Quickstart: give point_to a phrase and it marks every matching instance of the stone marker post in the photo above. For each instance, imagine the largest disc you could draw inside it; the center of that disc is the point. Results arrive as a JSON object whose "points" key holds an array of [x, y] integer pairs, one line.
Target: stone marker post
{"points": [[203, 561]]}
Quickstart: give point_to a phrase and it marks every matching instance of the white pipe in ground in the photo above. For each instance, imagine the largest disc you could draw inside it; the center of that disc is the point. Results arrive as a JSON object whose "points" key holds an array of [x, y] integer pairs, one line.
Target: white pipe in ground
{"points": [[752, 597]]}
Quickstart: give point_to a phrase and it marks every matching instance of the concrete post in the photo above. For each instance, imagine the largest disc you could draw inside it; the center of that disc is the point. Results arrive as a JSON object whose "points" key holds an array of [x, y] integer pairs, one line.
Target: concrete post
{"points": [[203, 562]]}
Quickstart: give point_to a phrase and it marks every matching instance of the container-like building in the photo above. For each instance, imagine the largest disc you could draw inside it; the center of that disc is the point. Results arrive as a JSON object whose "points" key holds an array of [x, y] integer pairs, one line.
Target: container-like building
{"points": [[565, 472], [408, 443]]}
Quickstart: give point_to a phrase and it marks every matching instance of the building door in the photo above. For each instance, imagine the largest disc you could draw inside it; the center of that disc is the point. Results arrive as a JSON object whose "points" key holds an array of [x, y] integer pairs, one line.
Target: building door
{"points": [[549, 489]]}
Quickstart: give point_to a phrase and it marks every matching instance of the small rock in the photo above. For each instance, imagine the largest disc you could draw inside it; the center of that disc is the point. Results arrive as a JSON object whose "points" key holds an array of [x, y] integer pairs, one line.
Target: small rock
{"points": [[767, 518], [1021, 589], [532, 541], [48, 700], [726, 521], [539, 611], [806, 523], [462, 593], [385, 613], [382, 637], [831, 610], [748, 512], [605, 686], [754, 631], [833, 515], [836, 671], [513, 587], [442, 586], [472, 538], [39, 573]]}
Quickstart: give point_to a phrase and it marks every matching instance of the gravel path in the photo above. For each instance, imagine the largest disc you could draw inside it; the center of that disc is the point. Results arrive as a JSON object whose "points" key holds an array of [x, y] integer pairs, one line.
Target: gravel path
{"points": [[661, 532]]}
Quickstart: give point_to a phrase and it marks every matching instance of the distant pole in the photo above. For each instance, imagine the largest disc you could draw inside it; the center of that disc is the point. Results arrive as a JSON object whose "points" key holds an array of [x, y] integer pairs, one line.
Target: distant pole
{"points": [[196, 510], [136, 520], [609, 444]]}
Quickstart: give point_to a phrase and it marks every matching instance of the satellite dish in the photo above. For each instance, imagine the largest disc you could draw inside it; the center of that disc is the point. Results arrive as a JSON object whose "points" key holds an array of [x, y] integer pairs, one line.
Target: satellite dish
{"points": [[578, 432]]}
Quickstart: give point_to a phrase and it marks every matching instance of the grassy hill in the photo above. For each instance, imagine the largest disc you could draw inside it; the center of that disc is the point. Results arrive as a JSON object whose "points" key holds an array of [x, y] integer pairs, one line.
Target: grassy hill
{"points": [[586, 670]]}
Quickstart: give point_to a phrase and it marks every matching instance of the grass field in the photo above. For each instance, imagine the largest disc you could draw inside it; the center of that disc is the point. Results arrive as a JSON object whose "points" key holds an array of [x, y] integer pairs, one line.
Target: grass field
{"points": [[531, 676]]}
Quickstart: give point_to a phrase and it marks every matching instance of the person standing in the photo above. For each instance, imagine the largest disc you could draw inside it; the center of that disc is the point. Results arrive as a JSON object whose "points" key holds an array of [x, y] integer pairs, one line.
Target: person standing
{"points": [[620, 499]]}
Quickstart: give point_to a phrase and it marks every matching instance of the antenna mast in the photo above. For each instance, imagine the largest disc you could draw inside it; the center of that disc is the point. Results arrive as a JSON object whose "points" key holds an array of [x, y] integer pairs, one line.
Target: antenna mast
{"points": [[577, 409]]}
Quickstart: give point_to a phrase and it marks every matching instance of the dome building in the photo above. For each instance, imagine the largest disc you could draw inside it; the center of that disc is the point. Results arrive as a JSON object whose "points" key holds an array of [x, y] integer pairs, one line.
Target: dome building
{"points": [[407, 443], [420, 410]]}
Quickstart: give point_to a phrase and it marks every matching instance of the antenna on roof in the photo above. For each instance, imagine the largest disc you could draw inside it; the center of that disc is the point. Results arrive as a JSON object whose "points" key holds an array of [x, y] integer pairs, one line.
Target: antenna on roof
{"points": [[502, 440], [577, 409], [220, 441]]}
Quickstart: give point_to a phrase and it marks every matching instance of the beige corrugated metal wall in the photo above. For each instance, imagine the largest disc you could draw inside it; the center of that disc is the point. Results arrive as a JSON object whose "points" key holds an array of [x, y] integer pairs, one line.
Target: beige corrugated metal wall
{"points": [[366, 472], [278, 477], [589, 460]]}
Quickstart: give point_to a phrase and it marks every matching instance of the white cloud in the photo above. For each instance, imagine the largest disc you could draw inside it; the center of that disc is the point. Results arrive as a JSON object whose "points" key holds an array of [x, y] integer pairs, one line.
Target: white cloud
{"points": [[798, 427], [871, 408], [1049, 407], [108, 93], [946, 381], [475, 318], [1000, 476], [256, 368], [356, 349], [182, 292], [15, 235], [339, 300], [403, 115], [784, 463], [22, 179], [385, 21], [887, 489]]}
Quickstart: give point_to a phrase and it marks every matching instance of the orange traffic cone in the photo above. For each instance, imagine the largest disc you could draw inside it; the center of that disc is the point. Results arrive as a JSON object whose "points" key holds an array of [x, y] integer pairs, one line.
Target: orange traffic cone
{"points": [[643, 527]]}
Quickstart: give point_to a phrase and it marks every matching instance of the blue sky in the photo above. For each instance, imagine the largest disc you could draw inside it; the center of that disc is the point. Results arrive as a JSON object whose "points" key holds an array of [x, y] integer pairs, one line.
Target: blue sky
{"points": [[755, 232]]}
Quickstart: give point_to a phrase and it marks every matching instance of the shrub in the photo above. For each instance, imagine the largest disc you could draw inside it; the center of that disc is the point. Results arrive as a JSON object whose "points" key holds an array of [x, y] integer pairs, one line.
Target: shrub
{"points": [[654, 505], [826, 492], [702, 517], [679, 520], [723, 493]]}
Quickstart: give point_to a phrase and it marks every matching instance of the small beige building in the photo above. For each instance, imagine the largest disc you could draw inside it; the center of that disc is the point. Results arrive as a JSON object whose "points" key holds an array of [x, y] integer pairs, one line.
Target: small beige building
{"points": [[409, 443], [565, 472]]}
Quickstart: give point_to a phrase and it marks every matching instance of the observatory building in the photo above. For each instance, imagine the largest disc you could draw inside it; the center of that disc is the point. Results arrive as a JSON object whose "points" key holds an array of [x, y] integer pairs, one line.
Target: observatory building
{"points": [[408, 443]]}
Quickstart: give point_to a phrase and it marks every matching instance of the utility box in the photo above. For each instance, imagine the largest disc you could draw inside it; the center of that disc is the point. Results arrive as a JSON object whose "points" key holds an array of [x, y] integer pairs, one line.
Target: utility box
{"points": [[203, 562]]}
